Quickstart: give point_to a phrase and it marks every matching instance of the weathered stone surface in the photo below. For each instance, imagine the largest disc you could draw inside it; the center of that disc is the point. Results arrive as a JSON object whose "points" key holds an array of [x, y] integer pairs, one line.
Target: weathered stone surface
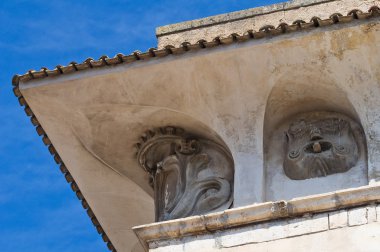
{"points": [[371, 214], [201, 243], [338, 219], [254, 19], [234, 16], [189, 175], [254, 234], [273, 231], [204, 242], [363, 238], [310, 225], [357, 216], [162, 247], [93, 117], [318, 145], [261, 223], [311, 233]]}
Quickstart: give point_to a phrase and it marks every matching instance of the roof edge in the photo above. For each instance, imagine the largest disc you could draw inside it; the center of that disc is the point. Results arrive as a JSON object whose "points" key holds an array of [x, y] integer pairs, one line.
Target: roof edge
{"points": [[58, 160], [153, 53]]}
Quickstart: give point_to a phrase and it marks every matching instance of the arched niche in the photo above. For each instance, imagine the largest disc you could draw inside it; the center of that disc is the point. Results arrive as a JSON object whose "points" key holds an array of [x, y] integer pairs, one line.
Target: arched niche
{"points": [[137, 141], [311, 101]]}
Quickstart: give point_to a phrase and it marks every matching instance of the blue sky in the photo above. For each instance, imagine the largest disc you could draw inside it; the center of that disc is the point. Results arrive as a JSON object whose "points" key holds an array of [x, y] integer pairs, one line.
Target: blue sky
{"points": [[38, 210]]}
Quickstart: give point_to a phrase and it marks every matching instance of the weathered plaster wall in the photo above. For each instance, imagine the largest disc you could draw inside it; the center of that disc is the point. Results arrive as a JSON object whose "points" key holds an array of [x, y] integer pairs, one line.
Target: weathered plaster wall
{"points": [[290, 96], [254, 19], [94, 118]]}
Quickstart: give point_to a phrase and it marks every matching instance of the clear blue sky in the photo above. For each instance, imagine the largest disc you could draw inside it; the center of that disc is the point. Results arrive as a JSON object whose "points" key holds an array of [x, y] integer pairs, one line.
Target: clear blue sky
{"points": [[38, 210]]}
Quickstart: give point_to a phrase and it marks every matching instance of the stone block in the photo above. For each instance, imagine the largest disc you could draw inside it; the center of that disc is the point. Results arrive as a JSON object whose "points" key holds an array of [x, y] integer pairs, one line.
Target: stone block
{"points": [[274, 231], [256, 234], [338, 219], [240, 237], [357, 216], [371, 214], [278, 231], [168, 248], [301, 226], [199, 243]]}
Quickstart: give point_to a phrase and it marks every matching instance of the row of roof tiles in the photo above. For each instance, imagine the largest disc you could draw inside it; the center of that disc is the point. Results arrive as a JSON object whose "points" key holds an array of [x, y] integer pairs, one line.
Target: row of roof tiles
{"points": [[265, 31], [69, 178]]}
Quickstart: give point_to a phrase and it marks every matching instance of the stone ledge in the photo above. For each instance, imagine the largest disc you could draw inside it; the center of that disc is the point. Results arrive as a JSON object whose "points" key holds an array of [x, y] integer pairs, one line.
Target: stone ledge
{"points": [[234, 16], [271, 231], [260, 212], [258, 19]]}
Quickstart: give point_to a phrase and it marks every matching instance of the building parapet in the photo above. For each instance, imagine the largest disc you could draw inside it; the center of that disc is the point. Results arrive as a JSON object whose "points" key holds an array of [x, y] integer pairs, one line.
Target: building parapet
{"points": [[238, 217]]}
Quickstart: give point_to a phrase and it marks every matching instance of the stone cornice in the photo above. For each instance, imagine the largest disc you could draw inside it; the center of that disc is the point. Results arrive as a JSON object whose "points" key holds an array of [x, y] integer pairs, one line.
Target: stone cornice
{"points": [[234, 16], [257, 213]]}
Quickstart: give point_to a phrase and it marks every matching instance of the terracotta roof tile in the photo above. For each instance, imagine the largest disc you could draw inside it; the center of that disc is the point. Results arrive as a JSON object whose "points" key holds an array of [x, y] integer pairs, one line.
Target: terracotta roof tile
{"points": [[264, 31]]}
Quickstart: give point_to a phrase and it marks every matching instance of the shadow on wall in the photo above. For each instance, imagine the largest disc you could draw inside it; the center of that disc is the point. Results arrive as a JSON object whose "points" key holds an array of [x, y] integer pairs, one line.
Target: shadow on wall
{"points": [[313, 139], [180, 161]]}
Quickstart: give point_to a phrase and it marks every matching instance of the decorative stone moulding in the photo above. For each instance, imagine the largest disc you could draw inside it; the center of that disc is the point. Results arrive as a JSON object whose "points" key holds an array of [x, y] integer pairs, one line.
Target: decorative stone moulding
{"points": [[190, 175], [320, 144], [257, 213]]}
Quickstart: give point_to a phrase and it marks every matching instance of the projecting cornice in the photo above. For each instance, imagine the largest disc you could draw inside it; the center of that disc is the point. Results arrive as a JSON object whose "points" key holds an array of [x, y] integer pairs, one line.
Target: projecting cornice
{"points": [[238, 217]]}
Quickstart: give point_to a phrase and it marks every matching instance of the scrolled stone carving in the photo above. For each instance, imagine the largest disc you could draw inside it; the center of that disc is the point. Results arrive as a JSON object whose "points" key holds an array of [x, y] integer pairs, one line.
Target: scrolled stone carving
{"points": [[190, 175], [318, 145]]}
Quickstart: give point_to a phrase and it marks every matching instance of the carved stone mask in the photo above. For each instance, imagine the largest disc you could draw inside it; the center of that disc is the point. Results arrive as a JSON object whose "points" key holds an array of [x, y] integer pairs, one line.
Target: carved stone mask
{"points": [[190, 176], [318, 147]]}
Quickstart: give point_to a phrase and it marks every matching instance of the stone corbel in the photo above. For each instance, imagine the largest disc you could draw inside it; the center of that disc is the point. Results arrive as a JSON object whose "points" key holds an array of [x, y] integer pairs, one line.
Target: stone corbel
{"points": [[190, 175]]}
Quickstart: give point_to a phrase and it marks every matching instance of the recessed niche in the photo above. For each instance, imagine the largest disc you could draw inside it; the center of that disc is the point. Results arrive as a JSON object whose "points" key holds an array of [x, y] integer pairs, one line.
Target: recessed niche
{"points": [[313, 141]]}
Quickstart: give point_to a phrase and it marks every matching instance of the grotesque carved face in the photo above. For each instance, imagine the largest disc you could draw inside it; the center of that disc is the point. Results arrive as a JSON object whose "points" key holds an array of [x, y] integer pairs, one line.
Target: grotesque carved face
{"points": [[190, 176], [319, 147]]}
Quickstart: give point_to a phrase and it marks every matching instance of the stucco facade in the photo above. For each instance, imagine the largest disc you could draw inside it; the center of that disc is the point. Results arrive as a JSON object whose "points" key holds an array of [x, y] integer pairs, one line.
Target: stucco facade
{"points": [[241, 92]]}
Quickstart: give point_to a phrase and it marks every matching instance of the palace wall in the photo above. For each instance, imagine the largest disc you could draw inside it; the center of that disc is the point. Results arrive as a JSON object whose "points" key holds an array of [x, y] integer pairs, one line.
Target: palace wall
{"points": [[278, 131], [355, 230]]}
